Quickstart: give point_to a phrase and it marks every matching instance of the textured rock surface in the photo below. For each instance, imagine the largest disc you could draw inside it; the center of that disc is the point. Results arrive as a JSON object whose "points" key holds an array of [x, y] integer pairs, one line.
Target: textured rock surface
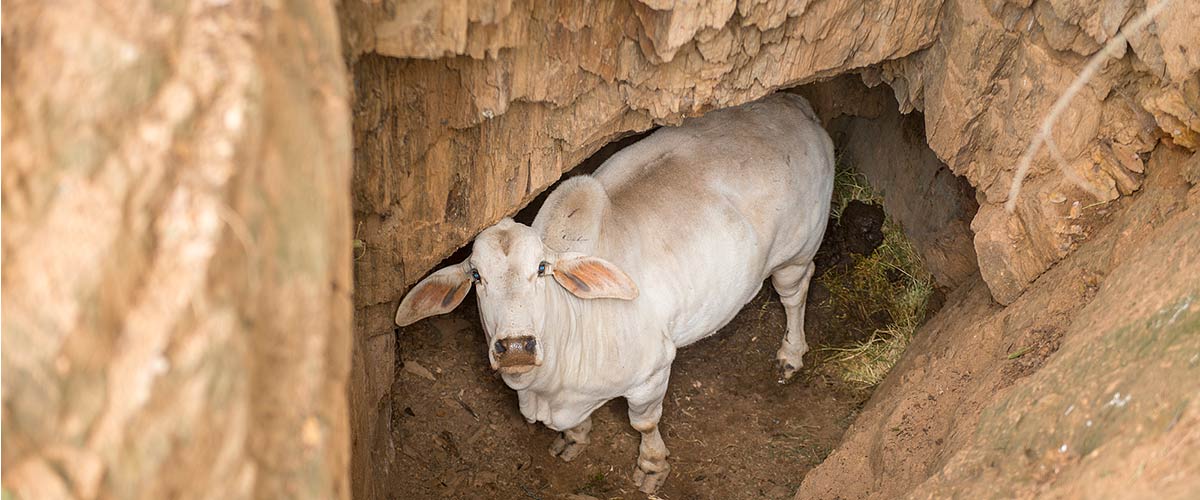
{"points": [[993, 73], [176, 277], [176, 260], [519, 91]]}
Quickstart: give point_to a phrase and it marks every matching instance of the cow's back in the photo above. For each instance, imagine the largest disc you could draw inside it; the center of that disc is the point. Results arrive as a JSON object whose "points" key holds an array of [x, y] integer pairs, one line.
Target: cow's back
{"points": [[699, 215]]}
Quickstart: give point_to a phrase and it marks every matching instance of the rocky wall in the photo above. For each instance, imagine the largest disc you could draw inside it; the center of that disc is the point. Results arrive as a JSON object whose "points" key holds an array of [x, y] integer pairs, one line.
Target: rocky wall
{"points": [[993, 73], [176, 272], [519, 91]]}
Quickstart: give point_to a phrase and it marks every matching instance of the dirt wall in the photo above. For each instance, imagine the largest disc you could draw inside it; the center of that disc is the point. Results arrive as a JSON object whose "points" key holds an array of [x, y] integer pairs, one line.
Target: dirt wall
{"points": [[1083, 387], [176, 273]]}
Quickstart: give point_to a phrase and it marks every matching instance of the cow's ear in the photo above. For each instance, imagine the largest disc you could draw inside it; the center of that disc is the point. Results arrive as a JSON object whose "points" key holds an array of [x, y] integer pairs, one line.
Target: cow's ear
{"points": [[593, 278], [440, 293]]}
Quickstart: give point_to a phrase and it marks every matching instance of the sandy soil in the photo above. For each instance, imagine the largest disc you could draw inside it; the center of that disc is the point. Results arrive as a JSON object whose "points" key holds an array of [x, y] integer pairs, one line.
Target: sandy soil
{"points": [[732, 430]]}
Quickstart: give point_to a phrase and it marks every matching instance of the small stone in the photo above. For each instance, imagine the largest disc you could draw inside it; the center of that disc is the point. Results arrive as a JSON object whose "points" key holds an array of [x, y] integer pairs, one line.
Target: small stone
{"points": [[415, 368], [1076, 211]]}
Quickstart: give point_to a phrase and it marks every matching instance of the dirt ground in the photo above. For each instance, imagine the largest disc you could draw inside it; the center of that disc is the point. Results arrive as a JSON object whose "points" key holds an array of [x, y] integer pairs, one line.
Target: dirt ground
{"points": [[733, 432]]}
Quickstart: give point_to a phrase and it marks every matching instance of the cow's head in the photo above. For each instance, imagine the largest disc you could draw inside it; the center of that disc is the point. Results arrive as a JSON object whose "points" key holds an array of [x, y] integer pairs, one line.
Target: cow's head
{"points": [[511, 268]]}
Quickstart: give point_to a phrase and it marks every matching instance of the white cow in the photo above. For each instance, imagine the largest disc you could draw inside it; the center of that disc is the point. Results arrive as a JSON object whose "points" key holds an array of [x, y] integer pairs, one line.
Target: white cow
{"points": [[658, 249]]}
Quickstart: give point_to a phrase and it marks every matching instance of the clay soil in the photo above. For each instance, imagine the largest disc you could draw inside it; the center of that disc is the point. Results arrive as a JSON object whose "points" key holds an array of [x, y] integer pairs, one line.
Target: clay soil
{"points": [[732, 430]]}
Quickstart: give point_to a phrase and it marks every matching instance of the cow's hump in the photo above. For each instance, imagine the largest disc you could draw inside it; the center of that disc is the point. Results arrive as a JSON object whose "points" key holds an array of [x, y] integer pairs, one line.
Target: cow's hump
{"points": [[570, 219]]}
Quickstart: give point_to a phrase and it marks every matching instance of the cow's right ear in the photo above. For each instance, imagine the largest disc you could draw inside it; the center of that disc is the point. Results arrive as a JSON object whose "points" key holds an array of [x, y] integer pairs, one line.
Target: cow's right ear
{"points": [[440, 293], [589, 277]]}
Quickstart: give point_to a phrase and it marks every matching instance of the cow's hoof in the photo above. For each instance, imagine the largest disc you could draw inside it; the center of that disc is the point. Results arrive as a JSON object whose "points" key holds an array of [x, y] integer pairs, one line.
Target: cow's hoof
{"points": [[647, 481], [566, 449], [786, 370]]}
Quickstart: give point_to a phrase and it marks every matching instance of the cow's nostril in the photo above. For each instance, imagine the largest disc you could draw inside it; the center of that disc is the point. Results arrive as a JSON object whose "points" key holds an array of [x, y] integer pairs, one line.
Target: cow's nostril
{"points": [[530, 345], [500, 347]]}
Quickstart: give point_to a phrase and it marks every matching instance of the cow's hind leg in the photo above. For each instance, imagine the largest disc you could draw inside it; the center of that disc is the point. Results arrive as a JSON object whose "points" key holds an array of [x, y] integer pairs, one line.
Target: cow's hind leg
{"points": [[791, 282], [571, 443], [645, 410]]}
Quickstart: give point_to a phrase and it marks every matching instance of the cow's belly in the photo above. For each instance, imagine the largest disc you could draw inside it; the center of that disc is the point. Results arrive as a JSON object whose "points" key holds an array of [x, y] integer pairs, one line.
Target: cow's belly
{"points": [[705, 302], [715, 262], [712, 312]]}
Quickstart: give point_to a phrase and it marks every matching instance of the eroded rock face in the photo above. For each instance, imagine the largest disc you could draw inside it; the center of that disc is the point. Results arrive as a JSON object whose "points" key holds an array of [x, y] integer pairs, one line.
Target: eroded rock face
{"points": [[520, 91], [176, 277], [994, 72], [450, 145]]}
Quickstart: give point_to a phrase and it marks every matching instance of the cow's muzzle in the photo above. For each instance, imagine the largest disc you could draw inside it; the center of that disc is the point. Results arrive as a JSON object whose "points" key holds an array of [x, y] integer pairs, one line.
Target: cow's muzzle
{"points": [[515, 354]]}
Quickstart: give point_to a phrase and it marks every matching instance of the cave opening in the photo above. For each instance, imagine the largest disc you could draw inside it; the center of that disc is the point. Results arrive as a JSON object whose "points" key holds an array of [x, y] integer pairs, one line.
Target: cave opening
{"points": [[897, 239]]}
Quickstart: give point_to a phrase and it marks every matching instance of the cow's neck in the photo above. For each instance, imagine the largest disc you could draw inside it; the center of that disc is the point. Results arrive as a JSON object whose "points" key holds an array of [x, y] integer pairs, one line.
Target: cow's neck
{"points": [[584, 339]]}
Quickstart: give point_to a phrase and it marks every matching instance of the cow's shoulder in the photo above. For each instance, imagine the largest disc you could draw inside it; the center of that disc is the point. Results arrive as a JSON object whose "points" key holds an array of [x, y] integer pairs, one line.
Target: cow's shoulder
{"points": [[570, 219]]}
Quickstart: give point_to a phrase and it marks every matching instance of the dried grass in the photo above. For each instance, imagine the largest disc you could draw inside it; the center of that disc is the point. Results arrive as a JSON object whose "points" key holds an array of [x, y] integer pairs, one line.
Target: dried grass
{"points": [[892, 281]]}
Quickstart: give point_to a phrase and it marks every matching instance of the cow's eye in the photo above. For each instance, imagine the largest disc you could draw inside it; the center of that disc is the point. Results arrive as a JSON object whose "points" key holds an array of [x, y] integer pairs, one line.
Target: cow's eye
{"points": [[475, 275], [542, 268]]}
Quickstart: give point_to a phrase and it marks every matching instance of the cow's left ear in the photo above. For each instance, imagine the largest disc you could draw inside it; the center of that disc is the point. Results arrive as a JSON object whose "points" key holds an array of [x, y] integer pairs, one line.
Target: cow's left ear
{"points": [[589, 277]]}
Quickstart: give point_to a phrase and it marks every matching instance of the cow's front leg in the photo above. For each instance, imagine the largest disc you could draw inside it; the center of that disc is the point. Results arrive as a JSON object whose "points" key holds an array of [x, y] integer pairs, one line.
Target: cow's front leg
{"points": [[652, 466], [645, 410], [570, 444]]}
